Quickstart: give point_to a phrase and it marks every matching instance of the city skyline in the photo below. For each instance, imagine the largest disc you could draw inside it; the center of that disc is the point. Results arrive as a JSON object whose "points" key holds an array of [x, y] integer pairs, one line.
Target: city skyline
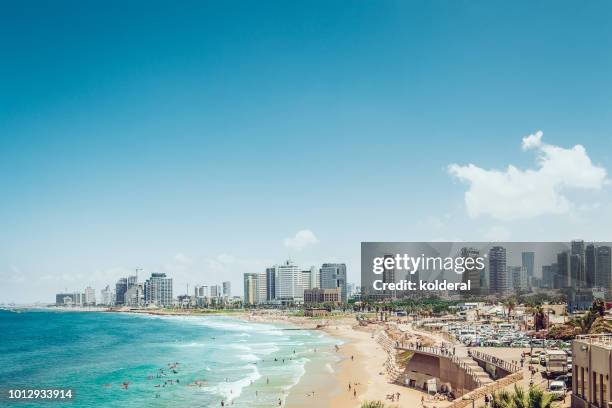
{"points": [[214, 140]]}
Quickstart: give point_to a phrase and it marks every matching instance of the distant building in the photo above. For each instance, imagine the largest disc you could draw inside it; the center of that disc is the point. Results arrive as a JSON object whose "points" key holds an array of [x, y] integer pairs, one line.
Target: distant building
{"points": [[471, 274], [120, 289], [70, 299], [519, 277], [261, 293], [320, 295], [333, 275], [227, 289], [548, 276], [107, 296], [158, 290], [250, 289], [201, 291], [311, 278], [90, 296], [288, 283], [316, 312], [270, 284], [602, 267], [498, 273], [563, 276], [215, 291], [201, 295], [528, 262], [134, 296], [388, 276], [590, 265]]}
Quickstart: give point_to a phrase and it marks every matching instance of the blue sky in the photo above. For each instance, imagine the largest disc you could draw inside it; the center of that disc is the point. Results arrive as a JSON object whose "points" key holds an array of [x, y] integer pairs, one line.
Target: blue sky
{"points": [[196, 137]]}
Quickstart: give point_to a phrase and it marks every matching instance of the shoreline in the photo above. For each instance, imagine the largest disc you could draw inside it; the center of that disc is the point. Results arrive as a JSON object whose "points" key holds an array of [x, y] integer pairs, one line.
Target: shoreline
{"points": [[359, 361]]}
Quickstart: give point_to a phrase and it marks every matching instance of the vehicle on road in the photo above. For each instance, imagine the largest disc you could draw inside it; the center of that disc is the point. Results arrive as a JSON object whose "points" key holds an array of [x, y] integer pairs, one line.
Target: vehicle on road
{"points": [[556, 363], [557, 388]]}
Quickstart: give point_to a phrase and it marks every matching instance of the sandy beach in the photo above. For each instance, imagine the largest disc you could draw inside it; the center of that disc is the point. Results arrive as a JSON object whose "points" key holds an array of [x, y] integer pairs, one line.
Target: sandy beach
{"points": [[361, 366]]}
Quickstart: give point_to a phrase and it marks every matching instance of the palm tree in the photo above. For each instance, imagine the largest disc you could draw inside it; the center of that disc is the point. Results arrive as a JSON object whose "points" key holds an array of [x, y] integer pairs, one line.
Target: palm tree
{"points": [[373, 404], [534, 398]]}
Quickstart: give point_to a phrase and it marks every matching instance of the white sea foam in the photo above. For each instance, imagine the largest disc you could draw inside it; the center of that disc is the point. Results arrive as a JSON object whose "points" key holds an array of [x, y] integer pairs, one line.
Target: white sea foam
{"points": [[248, 357], [232, 390]]}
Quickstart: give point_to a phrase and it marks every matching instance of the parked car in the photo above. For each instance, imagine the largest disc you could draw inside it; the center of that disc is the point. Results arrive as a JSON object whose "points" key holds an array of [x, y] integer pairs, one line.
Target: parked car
{"points": [[557, 388], [567, 379]]}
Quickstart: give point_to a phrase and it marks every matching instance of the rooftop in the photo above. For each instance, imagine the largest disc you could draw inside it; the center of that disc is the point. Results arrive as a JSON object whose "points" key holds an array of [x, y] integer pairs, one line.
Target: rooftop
{"points": [[598, 339]]}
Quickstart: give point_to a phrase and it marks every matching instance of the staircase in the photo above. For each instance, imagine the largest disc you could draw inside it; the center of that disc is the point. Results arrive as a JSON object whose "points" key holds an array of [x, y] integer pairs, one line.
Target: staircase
{"points": [[476, 370]]}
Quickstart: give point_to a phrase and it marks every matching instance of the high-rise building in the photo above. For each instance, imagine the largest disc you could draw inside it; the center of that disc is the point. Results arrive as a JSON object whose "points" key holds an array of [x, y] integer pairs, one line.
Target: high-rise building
{"points": [[201, 291], [106, 296], [262, 295], [250, 289], [311, 278], [563, 276], [471, 274], [528, 262], [577, 264], [158, 290], [288, 282], [519, 277], [498, 273], [90, 296], [134, 296], [270, 284], [70, 299], [548, 276], [388, 276], [603, 267], [215, 291], [227, 289], [589, 265], [333, 275], [120, 289]]}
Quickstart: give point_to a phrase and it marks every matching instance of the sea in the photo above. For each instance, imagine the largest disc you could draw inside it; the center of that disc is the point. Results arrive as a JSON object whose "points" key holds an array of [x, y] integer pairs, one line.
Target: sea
{"points": [[137, 360]]}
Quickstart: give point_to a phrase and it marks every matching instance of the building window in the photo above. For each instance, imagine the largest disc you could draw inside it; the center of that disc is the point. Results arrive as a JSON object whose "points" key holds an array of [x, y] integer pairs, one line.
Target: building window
{"points": [[594, 385]]}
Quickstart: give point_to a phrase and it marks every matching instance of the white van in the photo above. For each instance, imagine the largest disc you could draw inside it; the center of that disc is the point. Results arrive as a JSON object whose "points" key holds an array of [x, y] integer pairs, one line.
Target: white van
{"points": [[557, 388]]}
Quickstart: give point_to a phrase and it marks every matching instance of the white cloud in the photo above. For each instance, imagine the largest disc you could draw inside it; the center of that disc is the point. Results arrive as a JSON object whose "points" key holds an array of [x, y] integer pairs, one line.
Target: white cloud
{"points": [[514, 193], [532, 141], [302, 239]]}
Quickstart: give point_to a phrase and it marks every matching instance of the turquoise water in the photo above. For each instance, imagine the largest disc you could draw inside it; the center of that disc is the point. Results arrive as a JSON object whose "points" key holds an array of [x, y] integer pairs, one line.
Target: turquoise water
{"points": [[219, 359]]}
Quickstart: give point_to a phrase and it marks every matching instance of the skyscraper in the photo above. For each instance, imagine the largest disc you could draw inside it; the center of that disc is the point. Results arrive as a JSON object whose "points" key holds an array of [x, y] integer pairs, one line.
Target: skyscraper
{"points": [[106, 296], [270, 284], [603, 267], [563, 276], [250, 288], [589, 265], [333, 275], [288, 282], [471, 274], [158, 290], [577, 263], [262, 295], [90, 296], [528, 262], [519, 277], [120, 289], [227, 289], [498, 273], [388, 276]]}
